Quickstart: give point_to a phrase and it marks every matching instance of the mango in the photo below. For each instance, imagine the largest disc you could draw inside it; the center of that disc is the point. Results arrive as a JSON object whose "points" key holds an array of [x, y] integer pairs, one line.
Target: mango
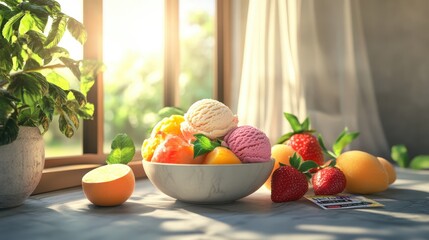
{"points": [[364, 172], [280, 153]]}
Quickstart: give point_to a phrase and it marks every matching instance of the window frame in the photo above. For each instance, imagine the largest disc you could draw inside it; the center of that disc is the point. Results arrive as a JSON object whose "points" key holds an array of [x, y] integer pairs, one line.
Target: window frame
{"points": [[65, 172]]}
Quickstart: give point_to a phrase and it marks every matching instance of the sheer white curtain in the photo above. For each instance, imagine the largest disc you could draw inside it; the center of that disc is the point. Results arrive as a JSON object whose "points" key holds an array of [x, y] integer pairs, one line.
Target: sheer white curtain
{"points": [[309, 57], [270, 78]]}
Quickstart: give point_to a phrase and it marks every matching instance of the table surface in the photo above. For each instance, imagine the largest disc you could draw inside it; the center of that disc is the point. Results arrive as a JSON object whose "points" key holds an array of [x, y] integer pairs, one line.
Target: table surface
{"points": [[149, 214]]}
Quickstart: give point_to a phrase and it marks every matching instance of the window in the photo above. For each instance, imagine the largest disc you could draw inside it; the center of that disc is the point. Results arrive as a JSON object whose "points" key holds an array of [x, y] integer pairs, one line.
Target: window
{"points": [[57, 145], [157, 53]]}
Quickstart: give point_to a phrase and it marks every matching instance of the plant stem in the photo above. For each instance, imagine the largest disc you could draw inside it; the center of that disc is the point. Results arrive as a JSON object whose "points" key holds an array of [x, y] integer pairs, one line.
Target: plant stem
{"points": [[40, 68]]}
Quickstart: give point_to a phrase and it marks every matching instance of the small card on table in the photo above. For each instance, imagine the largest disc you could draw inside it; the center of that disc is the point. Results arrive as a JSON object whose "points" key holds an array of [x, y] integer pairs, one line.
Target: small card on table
{"points": [[343, 201]]}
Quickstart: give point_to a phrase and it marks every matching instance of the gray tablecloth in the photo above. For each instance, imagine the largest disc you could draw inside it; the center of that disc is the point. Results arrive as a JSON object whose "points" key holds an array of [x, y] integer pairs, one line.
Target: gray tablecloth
{"points": [[149, 214]]}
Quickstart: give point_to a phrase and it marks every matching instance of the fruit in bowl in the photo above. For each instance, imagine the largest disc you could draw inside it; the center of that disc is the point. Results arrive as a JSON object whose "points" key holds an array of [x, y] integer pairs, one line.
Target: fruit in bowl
{"points": [[208, 183], [208, 158]]}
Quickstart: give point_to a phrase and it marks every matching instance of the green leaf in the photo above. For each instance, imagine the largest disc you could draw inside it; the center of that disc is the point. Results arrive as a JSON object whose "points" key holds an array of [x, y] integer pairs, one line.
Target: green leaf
{"points": [[53, 7], [295, 161], [72, 65], [306, 124], [203, 145], [40, 22], [80, 98], [48, 107], [1, 17], [18, 54], [322, 143], [26, 24], [58, 80], [11, 2], [9, 28], [285, 137], [7, 106], [420, 162], [307, 165], [8, 131], [35, 41], [6, 63], [343, 140], [29, 116], [77, 30], [57, 30], [294, 122], [399, 154], [27, 87], [122, 150], [69, 121], [35, 9], [31, 64], [89, 71], [168, 111], [332, 163], [4, 7], [53, 53], [87, 111], [57, 94], [38, 12], [324, 149]]}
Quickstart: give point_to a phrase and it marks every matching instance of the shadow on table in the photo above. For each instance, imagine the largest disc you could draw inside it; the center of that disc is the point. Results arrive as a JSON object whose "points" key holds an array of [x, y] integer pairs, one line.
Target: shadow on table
{"points": [[404, 216]]}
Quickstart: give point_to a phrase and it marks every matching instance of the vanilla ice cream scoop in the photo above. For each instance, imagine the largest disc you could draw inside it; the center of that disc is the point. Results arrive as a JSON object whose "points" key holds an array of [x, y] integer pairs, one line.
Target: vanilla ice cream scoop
{"points": [[209, 117]]}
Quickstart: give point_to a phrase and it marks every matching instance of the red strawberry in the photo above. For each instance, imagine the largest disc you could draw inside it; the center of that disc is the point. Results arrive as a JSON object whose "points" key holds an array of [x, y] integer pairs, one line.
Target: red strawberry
{"points": [[289, 183], [306, 145], [329, 181], [302, 140]]}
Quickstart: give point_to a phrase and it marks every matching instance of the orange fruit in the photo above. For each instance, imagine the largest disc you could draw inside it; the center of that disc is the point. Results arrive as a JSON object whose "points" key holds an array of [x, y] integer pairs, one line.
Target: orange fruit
{"points": [[221, 155], [280, 153], [391, 172], [109, 185], [364, 172]]}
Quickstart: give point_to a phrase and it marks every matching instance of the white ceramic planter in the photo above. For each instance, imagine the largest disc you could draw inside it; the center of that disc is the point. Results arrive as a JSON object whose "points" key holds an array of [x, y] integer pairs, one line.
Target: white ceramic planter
{"points": [[21, 166]]}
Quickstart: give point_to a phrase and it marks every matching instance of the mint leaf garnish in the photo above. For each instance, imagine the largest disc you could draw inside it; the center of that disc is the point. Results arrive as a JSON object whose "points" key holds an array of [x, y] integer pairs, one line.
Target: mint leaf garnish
{"points": [[399, 154], [420, 162], [123, 150], [203, 144], [343, 140]]}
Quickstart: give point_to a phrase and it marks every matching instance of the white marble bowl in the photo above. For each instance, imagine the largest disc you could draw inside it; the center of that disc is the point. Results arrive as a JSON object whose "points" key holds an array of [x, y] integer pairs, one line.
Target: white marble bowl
{"points": [[208, 184]]}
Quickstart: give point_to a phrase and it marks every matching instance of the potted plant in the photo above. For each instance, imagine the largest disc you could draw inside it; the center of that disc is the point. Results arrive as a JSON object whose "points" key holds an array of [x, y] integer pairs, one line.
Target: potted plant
{"points": [[32, 91]]}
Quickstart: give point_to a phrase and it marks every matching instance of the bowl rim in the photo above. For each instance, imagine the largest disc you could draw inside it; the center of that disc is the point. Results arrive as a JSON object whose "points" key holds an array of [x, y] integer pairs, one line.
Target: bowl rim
{"points": [[272, 160]]}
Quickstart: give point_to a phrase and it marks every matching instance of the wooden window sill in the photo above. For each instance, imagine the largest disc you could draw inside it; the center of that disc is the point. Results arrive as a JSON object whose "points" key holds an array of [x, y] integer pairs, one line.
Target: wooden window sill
{"points": [[60, 177]]}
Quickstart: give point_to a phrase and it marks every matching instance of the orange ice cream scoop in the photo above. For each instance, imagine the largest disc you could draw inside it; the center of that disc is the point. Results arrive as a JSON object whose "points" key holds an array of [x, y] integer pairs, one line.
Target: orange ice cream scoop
{"points": [[175, 149], [168, 125]]}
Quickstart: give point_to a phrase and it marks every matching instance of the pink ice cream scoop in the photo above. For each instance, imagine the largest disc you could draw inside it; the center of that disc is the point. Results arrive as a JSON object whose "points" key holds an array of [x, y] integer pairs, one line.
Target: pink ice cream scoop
{"points": [[249, 144]]}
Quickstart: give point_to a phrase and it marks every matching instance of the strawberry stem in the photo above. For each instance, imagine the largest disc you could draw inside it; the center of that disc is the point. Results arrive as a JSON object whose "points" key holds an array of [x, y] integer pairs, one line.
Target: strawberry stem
{"points": [[294, 122], [324, 149], [302, 166], [296, 126]]}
